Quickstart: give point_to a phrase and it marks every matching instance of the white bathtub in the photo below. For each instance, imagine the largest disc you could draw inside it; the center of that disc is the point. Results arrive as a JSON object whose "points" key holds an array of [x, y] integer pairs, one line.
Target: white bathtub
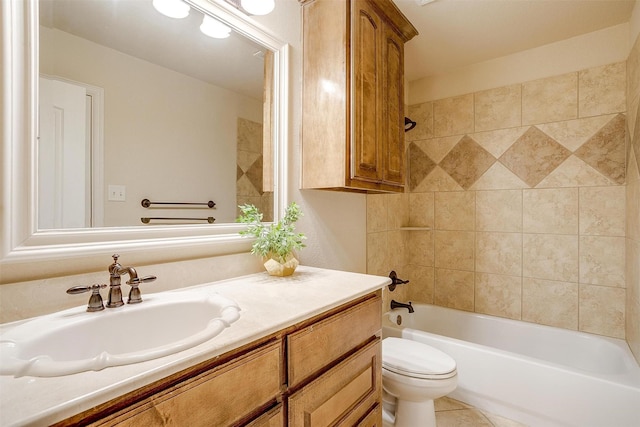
{"points": [[537, 375]]}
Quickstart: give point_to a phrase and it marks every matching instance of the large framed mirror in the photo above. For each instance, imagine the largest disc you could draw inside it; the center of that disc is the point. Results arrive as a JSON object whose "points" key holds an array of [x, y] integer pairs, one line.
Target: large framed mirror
{"points": [[153, 109]]}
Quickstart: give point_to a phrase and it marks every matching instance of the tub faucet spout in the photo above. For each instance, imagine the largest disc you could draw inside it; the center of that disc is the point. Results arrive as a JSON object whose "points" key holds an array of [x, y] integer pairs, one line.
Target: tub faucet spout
{"points": [[396, 304]]}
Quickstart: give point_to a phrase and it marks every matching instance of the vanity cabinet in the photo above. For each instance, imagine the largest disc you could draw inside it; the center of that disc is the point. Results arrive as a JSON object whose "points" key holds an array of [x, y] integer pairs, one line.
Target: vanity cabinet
{"points": [[353, 95], [322, 371], [230, 393]]}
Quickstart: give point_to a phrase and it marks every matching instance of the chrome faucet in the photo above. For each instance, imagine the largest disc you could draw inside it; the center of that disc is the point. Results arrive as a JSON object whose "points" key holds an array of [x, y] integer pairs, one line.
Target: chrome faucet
{"points": [[115, 293], [396, 304]]}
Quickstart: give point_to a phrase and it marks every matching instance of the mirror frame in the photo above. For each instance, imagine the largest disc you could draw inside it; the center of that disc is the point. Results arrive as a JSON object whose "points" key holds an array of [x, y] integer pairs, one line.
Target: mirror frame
{"points": [[21, 240]]}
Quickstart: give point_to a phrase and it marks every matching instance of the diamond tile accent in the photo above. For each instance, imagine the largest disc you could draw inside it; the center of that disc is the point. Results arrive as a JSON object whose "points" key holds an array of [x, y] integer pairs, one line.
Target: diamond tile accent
{"points": [[605, 151], [254, 173], [467, 161], [420, 165], [534, 156]]}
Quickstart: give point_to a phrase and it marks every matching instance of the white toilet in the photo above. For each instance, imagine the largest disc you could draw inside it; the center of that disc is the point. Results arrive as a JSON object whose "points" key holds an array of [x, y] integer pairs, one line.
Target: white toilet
{"points": [[413, 375]]}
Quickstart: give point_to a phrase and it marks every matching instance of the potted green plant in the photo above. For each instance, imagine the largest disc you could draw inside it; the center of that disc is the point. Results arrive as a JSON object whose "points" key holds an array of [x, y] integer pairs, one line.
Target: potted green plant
{"points": [[274, 242]]}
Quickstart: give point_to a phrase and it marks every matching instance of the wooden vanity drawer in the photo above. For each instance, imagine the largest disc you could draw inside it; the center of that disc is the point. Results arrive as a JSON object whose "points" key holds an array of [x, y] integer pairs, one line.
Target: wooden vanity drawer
{"points": [[221, 397], [319, 345], [344, 396]]}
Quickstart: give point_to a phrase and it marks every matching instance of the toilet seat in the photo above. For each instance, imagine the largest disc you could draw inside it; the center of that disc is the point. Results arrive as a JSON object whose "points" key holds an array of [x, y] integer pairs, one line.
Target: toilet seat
{"points": [[416, 360]]}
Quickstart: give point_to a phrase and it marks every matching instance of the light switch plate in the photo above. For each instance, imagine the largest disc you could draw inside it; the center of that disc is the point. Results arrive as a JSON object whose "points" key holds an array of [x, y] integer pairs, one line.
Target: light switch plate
{"points": [[117, 193]]}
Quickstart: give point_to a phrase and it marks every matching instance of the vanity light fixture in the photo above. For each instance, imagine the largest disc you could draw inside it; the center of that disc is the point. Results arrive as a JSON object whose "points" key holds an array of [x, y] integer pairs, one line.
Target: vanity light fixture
{"points": [[258, 7], [214, 28], [172, 8]]}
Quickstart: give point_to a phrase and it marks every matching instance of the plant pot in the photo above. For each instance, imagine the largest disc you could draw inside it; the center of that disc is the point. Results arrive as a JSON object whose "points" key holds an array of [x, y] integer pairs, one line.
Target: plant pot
{"points": [[275, 268]]}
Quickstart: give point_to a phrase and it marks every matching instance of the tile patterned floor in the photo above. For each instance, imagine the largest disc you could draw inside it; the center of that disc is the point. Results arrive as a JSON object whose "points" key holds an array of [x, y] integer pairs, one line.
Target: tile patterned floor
{"points": [[453, 413]]}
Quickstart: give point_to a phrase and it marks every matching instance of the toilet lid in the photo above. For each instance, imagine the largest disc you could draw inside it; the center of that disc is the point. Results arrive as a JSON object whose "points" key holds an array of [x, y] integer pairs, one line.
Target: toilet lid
{"points": [[415, 359]]}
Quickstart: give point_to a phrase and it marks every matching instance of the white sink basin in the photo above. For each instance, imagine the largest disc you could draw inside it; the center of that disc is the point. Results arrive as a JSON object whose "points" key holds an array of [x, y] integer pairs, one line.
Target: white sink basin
{"points": [[74, 340]]}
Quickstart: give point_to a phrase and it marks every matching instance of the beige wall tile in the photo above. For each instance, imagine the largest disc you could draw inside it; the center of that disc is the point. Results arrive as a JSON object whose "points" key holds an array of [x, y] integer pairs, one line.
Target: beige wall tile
{"points": [[499, 210], [633, 70], [498, 141], [601, 90], [420, 166], [498, 108], [605, 151], [397, 210], [499, 253], [376, 213], [534, 156], [573, 133], [455, 210], [574, 172], [377, 253], [498, 177], [454, 289], [421, 283], [602, 310], [467, 162], [601, 211], [453, 116], [550, 303], [550, 211], [550, 100], [437, 180], [632, 331], [420, 249], [550, 257], [422, 114], [438, 148], [455, 250], [396, 251], [421, 210], [498, 295], [632, 201], [602, 260]]}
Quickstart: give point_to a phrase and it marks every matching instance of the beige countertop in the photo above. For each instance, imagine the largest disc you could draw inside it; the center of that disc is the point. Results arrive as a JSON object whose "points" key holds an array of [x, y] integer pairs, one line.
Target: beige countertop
{"points": [[268, 304]]}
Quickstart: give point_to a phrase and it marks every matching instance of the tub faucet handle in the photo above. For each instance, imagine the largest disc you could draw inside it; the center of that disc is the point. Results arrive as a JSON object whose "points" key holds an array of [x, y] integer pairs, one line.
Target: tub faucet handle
{"points": [[395, 281]]}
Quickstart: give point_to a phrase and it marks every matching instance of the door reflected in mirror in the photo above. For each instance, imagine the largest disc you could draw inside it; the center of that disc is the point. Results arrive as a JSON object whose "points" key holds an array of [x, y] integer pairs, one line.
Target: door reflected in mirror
{"points": [[136, 105]]}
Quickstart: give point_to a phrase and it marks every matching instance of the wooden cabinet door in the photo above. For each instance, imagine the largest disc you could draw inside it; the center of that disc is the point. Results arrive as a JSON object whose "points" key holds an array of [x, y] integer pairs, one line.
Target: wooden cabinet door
{"points": [[315, 347], [393, 147], [343, 396], [220, 397], [366, 45]]}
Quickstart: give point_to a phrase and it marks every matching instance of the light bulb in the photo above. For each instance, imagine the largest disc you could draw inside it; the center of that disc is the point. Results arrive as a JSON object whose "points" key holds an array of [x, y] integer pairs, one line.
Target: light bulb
{"points": [[214, 28], [258, 7], [172, 8]]}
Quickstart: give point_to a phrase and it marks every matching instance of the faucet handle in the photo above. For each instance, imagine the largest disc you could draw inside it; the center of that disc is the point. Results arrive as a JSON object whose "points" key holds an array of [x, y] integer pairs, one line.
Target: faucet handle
{"points": [[95, 300], [135, 296]]}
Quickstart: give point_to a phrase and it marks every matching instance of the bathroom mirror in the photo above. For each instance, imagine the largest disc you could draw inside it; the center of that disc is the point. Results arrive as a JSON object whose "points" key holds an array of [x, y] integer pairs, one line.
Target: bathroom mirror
{"points": [[25, 235], [136, 105]]}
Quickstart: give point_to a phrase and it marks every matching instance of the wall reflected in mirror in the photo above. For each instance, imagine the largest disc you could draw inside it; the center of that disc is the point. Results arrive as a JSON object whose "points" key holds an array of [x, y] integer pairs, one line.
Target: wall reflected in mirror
{"points": [[135, 105]]}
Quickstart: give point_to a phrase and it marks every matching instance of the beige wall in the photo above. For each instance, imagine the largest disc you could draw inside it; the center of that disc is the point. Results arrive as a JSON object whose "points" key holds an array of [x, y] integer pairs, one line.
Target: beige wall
{"points": [[139, 119]]}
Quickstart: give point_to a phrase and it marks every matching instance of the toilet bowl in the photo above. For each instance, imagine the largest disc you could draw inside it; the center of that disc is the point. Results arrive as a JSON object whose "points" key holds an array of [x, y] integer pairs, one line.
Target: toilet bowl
{"points": [[413, 375]]}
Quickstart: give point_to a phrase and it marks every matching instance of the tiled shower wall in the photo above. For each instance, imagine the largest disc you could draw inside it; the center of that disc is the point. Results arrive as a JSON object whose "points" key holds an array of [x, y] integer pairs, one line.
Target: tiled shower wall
{"points": [[633, 201], [522, 188], [249, 189]]}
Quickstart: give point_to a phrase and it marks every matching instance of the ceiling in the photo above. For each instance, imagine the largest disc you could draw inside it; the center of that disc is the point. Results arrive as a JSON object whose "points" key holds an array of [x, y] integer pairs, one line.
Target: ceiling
{"points": [[455, 33], [135, 28]]}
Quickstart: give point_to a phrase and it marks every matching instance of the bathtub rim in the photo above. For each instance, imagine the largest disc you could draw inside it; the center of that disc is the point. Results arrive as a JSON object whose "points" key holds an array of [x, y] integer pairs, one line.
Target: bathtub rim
{"points": [[630, 379]]}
